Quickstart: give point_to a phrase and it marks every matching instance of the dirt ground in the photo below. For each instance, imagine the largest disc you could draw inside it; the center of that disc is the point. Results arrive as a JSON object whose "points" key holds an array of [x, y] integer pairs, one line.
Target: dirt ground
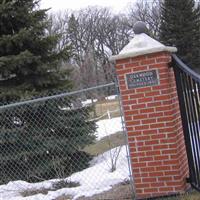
{"points": [[118, 192]]}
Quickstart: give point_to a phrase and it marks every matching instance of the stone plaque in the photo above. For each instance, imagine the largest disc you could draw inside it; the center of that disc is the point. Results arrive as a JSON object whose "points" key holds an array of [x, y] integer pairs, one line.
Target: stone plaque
{"points": [[142, 79]]}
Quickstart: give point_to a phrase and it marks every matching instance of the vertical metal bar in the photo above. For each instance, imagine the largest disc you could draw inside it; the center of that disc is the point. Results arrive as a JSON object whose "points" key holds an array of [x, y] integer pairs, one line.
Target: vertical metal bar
{"points": [[180, 91], [190, 125], [197, 111], [193, 123]]}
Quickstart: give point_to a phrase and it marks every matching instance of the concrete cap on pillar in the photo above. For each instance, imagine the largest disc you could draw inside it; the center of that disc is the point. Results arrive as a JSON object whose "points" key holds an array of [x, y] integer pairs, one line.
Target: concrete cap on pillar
{"points": [[141, 44]]}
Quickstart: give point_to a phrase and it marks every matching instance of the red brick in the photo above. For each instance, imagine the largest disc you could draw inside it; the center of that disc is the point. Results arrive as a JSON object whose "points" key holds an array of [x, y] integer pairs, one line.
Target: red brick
{"points": [[166, 189], [119, 67], [124, 71], [145, 100], [152, 142], [163, 108], [151, 115], [143, 137], [147, 110], [153, 153], [143, 185], [148, 169], [140, 117], [140, 68], [138, 58], [129, 102], [142, 127], [152, 94], [145, 89], [127, 108], [165, 119], [136, 165], [158, 125], [154, 104], [123, 61], [132, 65], [149, 180], [158, 136], [156, 174], [161, 157], [131, 112], [165, 178], [148, 121], [151, 190], [148, 61], [163, 59], [134, 133], [128, 118], [158, 66], [165, 70], [155, 163], [160, 184], [133, 123], [162, 98], [144, 159], [135, 96], [145, 148]]}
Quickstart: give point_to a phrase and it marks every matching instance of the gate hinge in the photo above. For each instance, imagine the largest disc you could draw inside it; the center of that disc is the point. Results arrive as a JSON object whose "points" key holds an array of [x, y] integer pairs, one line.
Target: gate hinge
{"points": [[170, 64], [188, 180]]}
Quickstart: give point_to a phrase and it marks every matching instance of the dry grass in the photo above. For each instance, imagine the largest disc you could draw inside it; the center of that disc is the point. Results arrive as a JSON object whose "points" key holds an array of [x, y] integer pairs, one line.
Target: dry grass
{"points": [[118, 192], [56, 186], [101, 107], [106, 143], [28, 193]]}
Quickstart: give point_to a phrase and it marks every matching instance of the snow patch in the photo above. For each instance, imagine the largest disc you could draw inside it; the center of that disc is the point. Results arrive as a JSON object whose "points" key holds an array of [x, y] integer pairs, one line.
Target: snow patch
{"points": [[107, 127], [93, 180], [112, 97]]}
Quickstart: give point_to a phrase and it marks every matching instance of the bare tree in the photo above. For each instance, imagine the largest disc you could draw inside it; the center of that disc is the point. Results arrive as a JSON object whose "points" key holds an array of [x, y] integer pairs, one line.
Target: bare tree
{"points": [[148, 12], [94, 34]]}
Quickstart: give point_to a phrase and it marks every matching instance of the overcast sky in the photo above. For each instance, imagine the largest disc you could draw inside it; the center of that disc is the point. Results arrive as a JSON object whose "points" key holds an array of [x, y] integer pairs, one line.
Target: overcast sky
{"points": [[56, 5]]}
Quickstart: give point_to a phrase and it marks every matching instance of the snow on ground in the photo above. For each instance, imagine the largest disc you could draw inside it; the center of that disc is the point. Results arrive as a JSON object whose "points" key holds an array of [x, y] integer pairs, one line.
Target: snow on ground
{"points": [[112, 97], [93, 180], [88, 102], [108, 126]]}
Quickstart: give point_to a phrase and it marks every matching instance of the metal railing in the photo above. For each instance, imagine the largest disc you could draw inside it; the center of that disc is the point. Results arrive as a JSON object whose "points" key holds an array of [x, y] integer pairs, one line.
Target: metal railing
{"points": [[188, 88]]}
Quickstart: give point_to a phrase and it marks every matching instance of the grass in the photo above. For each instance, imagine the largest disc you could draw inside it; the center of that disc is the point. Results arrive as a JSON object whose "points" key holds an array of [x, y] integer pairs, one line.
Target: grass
{"points": [[101, 108], [106, 143]]}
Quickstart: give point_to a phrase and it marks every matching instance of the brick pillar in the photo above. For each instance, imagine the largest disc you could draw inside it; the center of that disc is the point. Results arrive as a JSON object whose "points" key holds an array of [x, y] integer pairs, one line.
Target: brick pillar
{"points": [[152, 118]]}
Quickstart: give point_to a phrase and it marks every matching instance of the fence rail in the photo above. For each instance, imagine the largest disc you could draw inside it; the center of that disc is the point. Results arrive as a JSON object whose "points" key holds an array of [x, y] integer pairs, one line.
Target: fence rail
{"points": [[188, 88]]}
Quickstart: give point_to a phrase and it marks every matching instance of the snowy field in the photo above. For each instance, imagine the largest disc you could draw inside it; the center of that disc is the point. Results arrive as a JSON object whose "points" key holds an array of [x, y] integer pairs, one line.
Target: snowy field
{"points": [[93, 180]]}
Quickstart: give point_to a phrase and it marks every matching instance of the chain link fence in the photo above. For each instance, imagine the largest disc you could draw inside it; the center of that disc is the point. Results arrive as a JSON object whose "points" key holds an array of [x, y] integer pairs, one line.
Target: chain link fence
{"points": [[66, 146]]}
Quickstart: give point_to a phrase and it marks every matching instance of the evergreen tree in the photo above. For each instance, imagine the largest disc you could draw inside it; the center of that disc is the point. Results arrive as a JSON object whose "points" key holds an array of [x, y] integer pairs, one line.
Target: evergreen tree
{"points": [[180, 27], [40, 140], [44, 140], [29, 63]]}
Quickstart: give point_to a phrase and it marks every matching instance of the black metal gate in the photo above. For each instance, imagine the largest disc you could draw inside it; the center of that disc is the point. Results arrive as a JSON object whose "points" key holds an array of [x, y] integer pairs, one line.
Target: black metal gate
{"points": [[188, 88]]}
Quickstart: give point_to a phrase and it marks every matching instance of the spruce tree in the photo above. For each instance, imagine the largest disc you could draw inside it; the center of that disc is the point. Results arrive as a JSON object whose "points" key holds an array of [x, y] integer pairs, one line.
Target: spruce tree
{"points": [[180, 27], [40, 140], [29, 63]]}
